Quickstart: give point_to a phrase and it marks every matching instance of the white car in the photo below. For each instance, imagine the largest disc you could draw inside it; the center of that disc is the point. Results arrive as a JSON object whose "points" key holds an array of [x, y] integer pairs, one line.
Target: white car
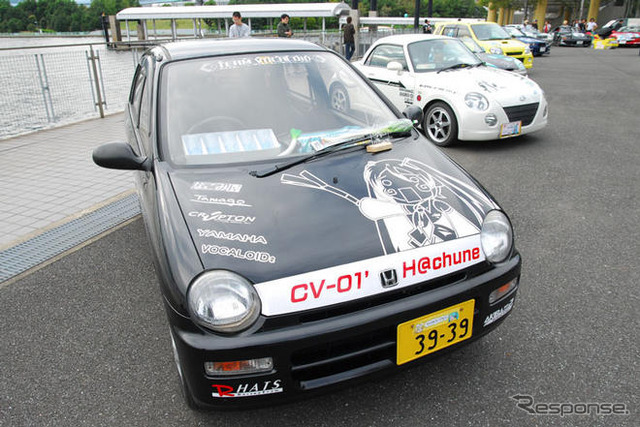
{"points": [[462, 99]]}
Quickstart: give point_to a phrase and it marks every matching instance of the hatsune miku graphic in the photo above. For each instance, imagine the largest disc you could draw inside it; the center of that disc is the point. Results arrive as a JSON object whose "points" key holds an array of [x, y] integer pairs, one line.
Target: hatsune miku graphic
{"points": [[412, 204]]}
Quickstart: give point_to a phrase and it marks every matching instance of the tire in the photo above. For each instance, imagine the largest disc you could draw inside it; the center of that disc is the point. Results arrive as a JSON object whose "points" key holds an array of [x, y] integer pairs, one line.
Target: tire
{"points": [[339, 98], [440, 124]]}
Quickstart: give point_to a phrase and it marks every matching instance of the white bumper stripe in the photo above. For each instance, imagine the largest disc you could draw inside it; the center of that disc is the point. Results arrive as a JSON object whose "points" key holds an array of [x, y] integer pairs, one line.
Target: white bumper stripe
{"points": [[361, 279]]}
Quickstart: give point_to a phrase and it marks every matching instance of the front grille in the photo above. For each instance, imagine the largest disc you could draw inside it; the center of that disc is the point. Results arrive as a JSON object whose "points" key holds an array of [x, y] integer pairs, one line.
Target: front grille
{"points": [[340, 360], [526, 113], [520, 53]]}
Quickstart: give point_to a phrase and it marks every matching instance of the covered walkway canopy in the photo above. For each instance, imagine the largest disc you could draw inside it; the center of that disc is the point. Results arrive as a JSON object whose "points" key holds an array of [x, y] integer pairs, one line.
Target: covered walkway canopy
{"points": [[302, 10], [248, 11]]}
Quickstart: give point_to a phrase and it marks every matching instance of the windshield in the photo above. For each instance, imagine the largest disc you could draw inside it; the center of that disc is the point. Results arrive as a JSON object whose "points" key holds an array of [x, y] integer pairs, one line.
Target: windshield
{"points": [[629, 29], [256, 107], [435, 55], [489, 32], [515, 32], [472, 44]]}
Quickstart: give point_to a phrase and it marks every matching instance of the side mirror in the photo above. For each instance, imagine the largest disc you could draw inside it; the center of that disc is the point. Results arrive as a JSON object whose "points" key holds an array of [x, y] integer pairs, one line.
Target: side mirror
{"points": [[395, 66], [413, 113], [119, 155]]}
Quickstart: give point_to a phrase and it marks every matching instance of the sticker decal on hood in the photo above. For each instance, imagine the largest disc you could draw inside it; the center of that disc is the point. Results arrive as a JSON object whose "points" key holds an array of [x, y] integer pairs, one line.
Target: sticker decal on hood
{"points": [[411, 203]]}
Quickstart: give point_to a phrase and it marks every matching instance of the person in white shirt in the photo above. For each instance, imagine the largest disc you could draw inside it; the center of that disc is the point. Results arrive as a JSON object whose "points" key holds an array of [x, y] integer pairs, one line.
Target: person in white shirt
{"points": [[239, 29]]}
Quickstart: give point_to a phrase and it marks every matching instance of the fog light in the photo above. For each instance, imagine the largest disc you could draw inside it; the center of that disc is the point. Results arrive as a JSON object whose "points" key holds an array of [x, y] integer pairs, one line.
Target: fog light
{"points": [[491, 119], [503, 290], [238, 367]]}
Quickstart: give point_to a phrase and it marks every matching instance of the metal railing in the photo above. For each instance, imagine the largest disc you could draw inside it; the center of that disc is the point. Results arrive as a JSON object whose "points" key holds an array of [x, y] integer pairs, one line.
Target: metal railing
{"points": [[48, 86], [54, 85]]}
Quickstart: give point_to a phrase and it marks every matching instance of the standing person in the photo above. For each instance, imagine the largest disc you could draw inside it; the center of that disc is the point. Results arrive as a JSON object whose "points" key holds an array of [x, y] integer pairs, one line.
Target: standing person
{"points": [[426, 28], [547, 27], [592, 26], [349, 39], [239, 29], [582, 25], [283, 27], [535, 25]]}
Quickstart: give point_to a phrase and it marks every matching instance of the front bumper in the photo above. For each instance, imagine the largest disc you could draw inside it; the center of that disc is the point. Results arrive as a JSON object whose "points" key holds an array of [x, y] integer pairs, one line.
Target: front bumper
{"points": [[329, 347], [472, 126], [527, 60]]}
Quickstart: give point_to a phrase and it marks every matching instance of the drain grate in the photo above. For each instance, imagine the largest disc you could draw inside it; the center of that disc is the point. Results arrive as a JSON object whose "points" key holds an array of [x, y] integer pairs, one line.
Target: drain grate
{"points": [[51, 243]]}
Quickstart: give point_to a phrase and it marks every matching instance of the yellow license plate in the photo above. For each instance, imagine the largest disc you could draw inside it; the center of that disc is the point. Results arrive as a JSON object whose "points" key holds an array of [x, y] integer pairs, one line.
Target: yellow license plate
{"points": [[435, 331], [511, 129]]}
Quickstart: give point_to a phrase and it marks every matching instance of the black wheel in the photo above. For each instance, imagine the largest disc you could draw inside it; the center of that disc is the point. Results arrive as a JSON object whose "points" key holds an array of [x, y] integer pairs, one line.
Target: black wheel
{"points": [[186, 392], [339, 98], [440, 124]]}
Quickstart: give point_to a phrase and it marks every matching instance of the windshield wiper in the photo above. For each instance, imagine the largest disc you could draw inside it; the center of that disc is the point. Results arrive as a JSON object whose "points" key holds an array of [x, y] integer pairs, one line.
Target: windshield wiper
{"points": [[455, 66], [360, 140]]}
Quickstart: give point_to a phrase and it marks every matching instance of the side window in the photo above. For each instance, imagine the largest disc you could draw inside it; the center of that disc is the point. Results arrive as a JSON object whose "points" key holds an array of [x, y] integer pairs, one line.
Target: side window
{"points": [[145, 109], [386, 53], [450, 31], [136, 94], [463, 32]]}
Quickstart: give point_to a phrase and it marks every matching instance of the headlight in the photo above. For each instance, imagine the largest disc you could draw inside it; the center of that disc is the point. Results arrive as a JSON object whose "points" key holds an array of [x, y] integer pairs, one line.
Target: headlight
{"points": [[527, 50], [495, 51], [223, 301], [496, 237], [476, 101]]}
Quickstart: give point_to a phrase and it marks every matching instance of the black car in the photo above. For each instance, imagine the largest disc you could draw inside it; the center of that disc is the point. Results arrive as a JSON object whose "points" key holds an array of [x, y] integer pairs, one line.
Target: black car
{"points": [[570, 36], [304, 233]]}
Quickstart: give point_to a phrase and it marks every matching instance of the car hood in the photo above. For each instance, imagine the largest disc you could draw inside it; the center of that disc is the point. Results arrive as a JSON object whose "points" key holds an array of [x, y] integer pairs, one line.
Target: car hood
{"points": [[502, 44], [342, 208], [530, 40], [500, 61], [497, 85], [579, 36]]}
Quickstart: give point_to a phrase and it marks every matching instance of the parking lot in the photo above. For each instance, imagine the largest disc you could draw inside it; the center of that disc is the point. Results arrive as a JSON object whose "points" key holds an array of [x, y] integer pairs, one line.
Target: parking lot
{"points": [[85, 340]]}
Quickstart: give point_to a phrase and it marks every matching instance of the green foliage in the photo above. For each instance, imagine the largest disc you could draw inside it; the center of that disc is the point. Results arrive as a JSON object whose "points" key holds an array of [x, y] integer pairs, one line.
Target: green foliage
{"points": [[66, 15], [57, 15]]}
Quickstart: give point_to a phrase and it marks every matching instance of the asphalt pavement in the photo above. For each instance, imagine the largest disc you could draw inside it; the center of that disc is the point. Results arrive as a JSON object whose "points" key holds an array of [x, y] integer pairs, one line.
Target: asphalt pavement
{"points": [[85, 339]]}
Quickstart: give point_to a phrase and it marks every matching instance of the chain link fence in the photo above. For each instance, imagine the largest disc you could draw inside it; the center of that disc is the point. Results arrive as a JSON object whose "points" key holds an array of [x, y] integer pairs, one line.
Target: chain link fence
{"points": [[43, 87]]}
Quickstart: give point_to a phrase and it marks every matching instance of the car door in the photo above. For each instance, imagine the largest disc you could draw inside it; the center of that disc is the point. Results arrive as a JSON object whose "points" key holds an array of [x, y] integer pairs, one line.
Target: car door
{"points": [[139, 125], [397, 84]]}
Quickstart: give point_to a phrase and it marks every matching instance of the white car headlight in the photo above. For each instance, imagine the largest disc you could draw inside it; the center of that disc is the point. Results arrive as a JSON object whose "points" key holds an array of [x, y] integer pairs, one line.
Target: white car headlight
{"points": [[476, 101], [496, 237], [527, 50], [223, 301], [495, 51]]}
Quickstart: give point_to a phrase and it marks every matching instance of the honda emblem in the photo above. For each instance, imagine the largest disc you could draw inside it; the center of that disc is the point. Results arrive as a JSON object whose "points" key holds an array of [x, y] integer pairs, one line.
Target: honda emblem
{"points": [[389, 278]]}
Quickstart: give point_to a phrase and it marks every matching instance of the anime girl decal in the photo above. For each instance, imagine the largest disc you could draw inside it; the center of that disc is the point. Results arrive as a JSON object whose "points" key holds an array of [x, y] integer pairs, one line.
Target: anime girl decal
{"points": [[412, 204]]}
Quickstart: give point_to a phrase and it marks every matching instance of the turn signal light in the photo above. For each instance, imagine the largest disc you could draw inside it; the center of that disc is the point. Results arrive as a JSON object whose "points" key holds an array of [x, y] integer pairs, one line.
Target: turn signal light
{"points": [[503, 290], [237, 367]]}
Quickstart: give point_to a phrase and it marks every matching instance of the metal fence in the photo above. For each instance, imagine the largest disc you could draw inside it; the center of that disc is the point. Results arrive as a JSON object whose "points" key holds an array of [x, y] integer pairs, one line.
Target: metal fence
{"points": [[55, 85], [48, 86]]}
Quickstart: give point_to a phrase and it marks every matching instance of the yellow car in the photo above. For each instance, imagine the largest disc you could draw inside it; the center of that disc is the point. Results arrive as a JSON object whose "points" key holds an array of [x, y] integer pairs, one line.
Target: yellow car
{"points": [[491, 36], [604, 43]]}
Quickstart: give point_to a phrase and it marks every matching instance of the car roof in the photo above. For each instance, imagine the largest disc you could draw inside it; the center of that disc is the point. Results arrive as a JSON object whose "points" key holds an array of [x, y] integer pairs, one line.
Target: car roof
{"points": [[228, 46], [467, 23], [409, 38]]}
